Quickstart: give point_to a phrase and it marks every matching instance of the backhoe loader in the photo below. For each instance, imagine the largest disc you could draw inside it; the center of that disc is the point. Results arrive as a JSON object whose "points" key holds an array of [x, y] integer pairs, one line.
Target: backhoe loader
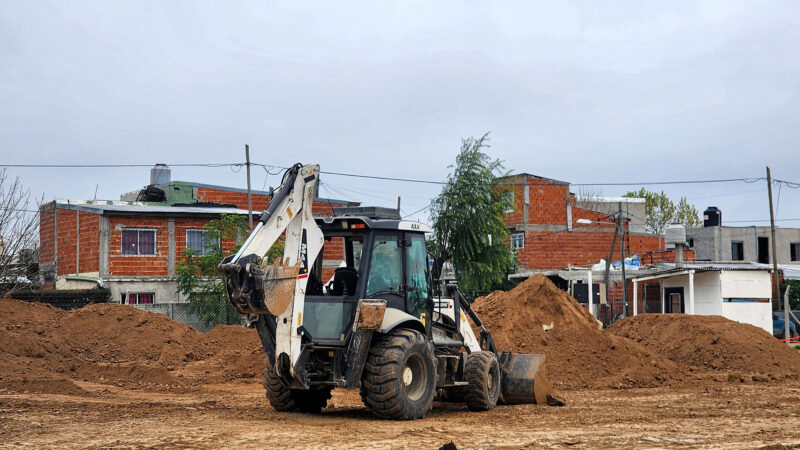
{"points": [[375, 324]]}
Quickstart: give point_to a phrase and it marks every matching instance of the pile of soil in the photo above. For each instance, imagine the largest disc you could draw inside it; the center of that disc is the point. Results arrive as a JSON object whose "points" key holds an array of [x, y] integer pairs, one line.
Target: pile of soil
{"points": [[577, 353], [44, 349], [236, 355], [711, 344]]}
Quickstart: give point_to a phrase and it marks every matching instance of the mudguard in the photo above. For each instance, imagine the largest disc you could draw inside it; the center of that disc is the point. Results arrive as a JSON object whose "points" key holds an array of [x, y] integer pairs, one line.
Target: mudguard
{"points": [[394, 318]]}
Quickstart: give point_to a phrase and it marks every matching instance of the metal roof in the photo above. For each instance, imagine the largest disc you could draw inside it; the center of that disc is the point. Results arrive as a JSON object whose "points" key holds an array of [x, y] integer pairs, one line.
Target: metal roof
{"points": [[113, 207]]}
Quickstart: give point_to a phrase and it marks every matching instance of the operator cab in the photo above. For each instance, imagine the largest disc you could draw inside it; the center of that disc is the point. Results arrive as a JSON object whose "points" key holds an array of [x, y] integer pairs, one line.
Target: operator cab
{"points": [[367, 253]]}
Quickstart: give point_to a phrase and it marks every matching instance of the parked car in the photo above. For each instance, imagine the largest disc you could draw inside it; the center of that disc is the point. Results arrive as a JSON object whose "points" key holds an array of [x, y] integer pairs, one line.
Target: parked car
{"points": [[778, 328]]}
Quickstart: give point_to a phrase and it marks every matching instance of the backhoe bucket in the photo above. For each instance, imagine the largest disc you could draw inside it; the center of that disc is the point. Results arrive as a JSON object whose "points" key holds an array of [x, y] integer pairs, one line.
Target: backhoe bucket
{"points": [[524, 379], [264, 289], [279, 282]]}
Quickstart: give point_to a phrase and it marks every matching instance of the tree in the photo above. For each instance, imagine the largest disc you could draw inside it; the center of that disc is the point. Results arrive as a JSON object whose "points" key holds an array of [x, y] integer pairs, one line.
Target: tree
{"points": [[19, 236], [660, 211], [687, 214], [199, 277], [468, 227]]}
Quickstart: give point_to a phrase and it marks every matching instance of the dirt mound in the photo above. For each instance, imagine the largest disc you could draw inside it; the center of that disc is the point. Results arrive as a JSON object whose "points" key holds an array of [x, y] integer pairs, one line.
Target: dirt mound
{"points": [[107, 343], [577, 352], [237, 354], [61, 386], [711, 343], [118, 345]]}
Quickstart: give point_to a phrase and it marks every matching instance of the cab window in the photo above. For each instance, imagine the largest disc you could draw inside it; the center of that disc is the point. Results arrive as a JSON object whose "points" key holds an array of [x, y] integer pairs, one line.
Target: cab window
{"points": [[417, 272], [386, 265]]}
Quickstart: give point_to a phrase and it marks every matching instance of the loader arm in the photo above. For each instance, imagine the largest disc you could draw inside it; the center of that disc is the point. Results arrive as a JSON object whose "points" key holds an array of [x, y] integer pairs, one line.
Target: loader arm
{"points": [[278, 291]]}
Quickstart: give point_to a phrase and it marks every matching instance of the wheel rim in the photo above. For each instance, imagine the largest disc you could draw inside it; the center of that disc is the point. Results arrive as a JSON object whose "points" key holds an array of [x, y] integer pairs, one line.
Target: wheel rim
{"points": [[492, 382], [414, 377]]}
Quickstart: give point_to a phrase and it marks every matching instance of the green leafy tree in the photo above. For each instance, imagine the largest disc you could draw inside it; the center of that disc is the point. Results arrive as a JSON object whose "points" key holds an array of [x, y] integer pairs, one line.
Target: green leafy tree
{"points": [[200, 279], [660, 211], [468, 226], [687, 214]]}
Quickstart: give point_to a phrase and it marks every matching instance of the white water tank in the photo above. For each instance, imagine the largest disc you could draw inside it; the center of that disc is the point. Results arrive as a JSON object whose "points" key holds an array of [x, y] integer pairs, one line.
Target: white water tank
{"points": [[160, 175], [674, 234]]}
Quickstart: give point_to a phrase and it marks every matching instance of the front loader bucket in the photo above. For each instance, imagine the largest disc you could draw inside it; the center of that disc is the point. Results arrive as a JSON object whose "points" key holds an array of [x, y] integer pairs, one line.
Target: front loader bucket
{"points": [[524, 379]]}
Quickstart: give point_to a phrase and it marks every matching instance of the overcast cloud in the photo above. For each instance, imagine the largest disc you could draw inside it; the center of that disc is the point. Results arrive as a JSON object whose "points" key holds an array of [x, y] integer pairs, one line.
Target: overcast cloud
{"points": [[582, 92]]}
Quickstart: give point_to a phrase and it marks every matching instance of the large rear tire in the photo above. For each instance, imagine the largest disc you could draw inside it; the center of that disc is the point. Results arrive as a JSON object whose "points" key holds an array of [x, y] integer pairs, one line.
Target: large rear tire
{"points": [[482, 372], [399, 378], [293, 400]]}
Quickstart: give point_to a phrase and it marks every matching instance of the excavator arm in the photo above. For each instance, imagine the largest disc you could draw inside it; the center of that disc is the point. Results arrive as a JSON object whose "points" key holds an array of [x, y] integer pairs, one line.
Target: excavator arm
{"points": [[277, 291]]}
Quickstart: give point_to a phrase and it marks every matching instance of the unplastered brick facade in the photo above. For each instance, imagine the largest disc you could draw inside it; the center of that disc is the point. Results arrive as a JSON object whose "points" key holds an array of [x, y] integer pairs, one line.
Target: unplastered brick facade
{"points": [[83, 240], [544, 226], [545, 211]]}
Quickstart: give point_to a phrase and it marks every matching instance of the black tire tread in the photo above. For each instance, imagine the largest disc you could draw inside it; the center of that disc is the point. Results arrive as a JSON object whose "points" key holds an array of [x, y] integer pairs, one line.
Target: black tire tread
{"points": [[476, 370], [382, 371], [284, 399]]}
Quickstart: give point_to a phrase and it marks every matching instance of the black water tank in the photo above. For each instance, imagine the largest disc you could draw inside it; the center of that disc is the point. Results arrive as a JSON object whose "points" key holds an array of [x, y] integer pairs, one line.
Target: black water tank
{"points": [[712, 217]]}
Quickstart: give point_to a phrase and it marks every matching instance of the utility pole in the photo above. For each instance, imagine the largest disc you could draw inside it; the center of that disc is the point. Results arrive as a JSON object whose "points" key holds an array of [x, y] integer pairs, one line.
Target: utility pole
{"points": [[622, 260], [249, 195], [776, 296], [608, 264]]}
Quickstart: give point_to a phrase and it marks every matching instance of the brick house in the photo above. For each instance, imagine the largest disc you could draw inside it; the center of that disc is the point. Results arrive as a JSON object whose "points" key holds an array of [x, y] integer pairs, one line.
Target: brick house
{"points": [[547, 237], [133, 247]]}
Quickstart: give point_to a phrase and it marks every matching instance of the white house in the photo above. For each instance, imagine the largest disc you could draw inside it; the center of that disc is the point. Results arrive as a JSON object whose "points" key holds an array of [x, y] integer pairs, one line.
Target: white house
{"points": [[737, 291]]}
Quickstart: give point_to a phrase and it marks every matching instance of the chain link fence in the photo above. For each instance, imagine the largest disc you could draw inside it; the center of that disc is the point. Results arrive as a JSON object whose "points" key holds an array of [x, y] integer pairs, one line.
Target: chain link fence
{"points": [[203, 316]]}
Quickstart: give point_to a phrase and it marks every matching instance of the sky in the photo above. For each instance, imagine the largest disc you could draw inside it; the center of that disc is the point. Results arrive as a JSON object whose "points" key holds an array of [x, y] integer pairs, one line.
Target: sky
{"points": [[585, 92]]}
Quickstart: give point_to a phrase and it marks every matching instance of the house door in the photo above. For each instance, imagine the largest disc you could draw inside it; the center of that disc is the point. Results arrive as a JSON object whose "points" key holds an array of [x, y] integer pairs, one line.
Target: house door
{"points": [[673, 300]]}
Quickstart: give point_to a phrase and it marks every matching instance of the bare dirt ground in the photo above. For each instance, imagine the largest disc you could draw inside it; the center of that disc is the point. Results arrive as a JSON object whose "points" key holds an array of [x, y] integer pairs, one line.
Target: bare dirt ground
{"points": [[723, 415]]}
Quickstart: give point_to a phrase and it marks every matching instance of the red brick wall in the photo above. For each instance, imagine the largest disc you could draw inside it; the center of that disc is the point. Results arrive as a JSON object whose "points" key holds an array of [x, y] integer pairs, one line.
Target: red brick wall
{"points": [[552, 250], [205, 194], [547, 202], [138, 265], [47, 235], [260, 202], [68, 238]]}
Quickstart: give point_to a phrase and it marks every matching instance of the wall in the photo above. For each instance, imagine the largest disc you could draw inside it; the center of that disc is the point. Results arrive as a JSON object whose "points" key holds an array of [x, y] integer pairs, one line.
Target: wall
{"points": [[206, 194], [548, 214], [707, 299], [756, 314], [165, 290], [633, 209], [712, 287], [714, 243], [746, 284], [69, 241], [139, 265]]}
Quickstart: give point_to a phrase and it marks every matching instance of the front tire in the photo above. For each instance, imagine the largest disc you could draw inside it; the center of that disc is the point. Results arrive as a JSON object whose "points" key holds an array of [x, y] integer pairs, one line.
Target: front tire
{"points": [[399, 378], [293, 400], [482, 372]]}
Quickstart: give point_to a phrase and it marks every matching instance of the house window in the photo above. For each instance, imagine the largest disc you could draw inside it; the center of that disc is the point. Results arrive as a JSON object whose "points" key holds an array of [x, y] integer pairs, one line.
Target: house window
{"points": [[201, 242], [737, 251], [518, 240], [508, 199], [145, 298], [794, 249], [763, 250], [138, 241]]}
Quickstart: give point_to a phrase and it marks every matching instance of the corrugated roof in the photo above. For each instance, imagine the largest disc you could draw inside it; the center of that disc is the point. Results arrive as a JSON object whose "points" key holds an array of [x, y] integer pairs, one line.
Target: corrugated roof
{"points": [[111, 207]]}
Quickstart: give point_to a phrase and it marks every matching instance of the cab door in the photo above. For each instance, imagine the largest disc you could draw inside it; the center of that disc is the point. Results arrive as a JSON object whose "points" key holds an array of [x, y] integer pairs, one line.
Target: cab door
{"points": [[417, 287], [398, 273]]}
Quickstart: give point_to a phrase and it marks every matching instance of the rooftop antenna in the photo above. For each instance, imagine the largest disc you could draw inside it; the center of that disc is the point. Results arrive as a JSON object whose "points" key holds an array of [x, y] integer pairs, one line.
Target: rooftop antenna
{"points": [[95, 191]]}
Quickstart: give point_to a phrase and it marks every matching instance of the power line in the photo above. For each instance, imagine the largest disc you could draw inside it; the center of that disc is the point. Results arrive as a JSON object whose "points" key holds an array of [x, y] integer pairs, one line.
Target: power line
{"points": [[105, 166], [651, 183], [793, 185]]}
